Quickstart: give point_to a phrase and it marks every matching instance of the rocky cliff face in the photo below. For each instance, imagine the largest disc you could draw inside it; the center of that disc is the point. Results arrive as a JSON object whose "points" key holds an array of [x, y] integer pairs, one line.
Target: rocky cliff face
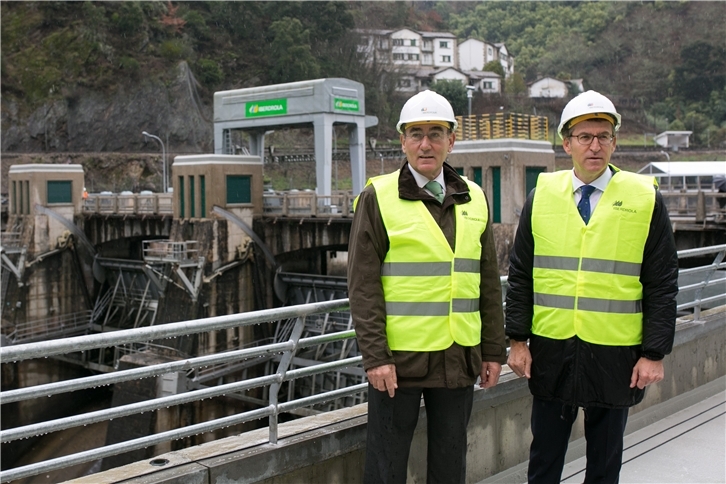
{"points": [[88, 121]]}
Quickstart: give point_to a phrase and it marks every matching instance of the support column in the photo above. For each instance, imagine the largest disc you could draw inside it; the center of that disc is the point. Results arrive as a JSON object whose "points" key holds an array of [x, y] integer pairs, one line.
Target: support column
{"points": [[218, 139], [357, 135], [257, 144], [323, 124]]}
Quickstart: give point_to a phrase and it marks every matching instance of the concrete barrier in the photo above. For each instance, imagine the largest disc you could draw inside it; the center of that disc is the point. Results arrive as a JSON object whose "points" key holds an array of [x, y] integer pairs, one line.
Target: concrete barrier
{"points": [[329, 447]]}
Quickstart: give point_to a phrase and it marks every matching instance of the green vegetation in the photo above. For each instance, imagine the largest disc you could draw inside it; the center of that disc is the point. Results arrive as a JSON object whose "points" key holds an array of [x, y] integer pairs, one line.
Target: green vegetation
{"points": [[455, 92], [662, 61], [666, 58]]}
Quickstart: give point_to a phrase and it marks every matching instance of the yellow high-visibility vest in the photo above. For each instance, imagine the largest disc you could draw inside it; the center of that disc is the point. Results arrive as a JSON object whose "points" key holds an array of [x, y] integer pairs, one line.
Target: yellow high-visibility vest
{"points": [[587, 277], [431, 292]]}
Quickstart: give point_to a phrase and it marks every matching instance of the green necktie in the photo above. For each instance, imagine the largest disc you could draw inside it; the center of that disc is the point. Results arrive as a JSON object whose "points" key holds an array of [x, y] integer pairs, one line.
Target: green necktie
{"points": [[434, 187]]}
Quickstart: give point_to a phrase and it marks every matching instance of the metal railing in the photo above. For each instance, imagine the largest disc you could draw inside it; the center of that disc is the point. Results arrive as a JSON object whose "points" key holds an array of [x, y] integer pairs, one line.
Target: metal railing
{"points": [[10, 240], [131, 204], [690, 205], [295, 155], [170, 251], [695, 205], [701, 287], [308, 204], [51, 328], [273, 382]]}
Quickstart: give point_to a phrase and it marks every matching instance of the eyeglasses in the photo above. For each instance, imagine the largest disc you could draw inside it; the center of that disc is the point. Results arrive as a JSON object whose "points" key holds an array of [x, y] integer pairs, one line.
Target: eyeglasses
{"points": [[433, 136], [585, 139]]}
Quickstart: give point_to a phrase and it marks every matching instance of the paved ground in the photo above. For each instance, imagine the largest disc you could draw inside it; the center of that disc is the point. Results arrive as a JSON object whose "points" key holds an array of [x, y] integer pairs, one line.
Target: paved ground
{"points": [[683, 446]]}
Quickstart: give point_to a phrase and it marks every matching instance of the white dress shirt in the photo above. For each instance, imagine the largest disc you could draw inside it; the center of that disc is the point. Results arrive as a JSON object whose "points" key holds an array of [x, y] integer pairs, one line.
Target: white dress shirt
{"points": [[422, 180], [599, 183]]}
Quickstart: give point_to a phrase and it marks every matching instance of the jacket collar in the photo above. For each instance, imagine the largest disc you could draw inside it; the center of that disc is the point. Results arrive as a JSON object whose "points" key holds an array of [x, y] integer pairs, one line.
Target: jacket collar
{"points": [[408, 189]]}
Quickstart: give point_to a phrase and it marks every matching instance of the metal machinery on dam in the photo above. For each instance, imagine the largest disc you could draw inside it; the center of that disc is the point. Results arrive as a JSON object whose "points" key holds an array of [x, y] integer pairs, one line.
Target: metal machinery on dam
{"points": [[78, 264], [111, 263]]}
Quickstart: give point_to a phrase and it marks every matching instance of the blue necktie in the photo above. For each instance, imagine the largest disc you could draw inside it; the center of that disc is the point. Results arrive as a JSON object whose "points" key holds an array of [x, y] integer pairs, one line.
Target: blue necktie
{"points": [[584, 206], [435, 187]]}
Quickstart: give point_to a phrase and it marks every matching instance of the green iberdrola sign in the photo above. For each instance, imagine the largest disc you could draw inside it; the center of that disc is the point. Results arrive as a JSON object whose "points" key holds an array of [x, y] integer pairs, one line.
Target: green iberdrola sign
{"points": [[272, 107], [346, 104]]}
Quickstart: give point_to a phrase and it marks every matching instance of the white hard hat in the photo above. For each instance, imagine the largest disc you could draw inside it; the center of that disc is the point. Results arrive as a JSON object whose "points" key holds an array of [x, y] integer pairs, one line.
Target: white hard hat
{"points": [[588, 105], [427, 107]]}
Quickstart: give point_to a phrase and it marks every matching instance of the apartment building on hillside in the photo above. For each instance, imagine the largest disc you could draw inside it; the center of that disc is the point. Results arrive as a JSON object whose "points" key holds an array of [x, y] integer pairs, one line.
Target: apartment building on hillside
{"points": [[474, 54], [421, 58]]}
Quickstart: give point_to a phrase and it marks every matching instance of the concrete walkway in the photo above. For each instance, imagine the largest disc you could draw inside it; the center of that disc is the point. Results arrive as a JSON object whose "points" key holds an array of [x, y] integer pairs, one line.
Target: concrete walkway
{"points": [[686, 443]]}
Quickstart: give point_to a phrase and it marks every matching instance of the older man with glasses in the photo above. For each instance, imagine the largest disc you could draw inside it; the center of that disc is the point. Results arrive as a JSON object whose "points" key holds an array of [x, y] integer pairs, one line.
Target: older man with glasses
{"points": [[425, 298], [593, 278]]}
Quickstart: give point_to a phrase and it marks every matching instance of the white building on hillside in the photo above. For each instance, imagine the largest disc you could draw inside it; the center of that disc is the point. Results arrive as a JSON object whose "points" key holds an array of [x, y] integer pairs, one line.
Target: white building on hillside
{"points": [[420, 58], [409, 48], [673, 139], [555, 88], [474, 54], [487, 82], [506, 60], [406, 47], [548, 87], [443, 48]]}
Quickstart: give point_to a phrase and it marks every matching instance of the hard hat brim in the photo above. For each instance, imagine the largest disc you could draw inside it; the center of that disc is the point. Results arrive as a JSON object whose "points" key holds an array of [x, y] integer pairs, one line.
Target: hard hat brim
{"points": [[435, 122], [585, 117]]}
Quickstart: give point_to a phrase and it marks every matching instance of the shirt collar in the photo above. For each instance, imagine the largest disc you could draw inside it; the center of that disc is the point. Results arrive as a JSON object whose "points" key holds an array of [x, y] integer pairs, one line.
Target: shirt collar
{"points": [[421, 180], [600, 182]]}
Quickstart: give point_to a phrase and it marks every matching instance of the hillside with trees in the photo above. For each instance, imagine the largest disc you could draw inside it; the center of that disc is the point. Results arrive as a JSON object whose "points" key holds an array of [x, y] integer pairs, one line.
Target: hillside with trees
{"points": [[88, 76]]}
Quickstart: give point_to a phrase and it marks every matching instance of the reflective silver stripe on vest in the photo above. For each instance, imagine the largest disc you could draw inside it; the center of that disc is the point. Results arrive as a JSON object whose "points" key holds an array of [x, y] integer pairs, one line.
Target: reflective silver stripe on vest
{"points": [[553, 301], [588, 304], [465, 305], [554, 262], [609, 305], [467, 265], [416, 269], [590, 265], [417, 308], [611, 267]]}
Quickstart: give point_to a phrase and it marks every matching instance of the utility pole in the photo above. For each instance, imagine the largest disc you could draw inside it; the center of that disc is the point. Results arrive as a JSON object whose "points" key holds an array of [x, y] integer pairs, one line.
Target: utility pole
{"points": [[469, 95]]}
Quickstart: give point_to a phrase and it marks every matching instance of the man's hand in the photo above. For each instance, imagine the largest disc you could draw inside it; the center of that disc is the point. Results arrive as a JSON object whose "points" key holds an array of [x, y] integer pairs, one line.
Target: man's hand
{"points": [[646, 372], [520, 359], [489, 374], [383, 378]]}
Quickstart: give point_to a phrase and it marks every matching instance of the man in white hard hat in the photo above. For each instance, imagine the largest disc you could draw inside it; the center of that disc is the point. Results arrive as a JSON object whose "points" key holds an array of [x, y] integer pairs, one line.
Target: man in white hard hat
{"points": [[425, 298], [593, 278]]}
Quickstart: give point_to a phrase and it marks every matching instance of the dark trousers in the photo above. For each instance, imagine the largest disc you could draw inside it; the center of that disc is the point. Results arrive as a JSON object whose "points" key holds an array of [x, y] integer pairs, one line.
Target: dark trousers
{"points": [[551, 428], [391, 422]]}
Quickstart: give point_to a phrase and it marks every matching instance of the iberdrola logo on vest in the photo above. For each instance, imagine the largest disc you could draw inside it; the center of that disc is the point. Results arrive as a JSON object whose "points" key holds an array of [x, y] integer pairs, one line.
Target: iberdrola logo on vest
{"points": [[272, 107], [618, 205]]}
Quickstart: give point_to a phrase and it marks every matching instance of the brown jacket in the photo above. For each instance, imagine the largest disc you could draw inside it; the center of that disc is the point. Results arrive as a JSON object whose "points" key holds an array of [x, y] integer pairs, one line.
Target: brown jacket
{"points": [[457, 366]]}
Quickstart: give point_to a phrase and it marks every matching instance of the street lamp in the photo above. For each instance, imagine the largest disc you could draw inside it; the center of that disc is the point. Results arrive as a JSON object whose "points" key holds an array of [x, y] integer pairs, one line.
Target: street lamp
{"points": [[469, 94], [164, 183]]}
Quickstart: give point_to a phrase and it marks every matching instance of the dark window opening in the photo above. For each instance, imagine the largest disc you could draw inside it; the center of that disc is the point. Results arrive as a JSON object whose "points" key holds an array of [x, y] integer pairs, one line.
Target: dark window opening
{"points": [[239, 189], [60, 191]]}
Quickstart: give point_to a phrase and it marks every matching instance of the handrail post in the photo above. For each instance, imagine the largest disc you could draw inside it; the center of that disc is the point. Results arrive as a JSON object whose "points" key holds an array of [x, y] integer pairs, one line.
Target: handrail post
{"points": [[700, 207], [281, 370], [707, 278]]}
